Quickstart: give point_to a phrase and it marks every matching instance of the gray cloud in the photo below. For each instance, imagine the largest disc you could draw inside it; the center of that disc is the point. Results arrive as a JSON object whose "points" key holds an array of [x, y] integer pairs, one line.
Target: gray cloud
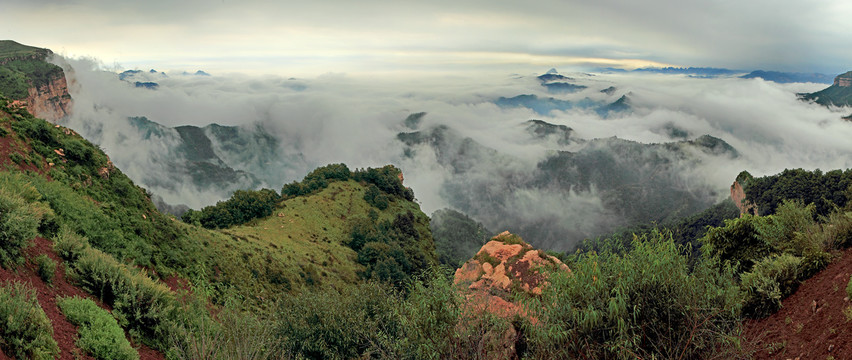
{"points": [[318, 36]]}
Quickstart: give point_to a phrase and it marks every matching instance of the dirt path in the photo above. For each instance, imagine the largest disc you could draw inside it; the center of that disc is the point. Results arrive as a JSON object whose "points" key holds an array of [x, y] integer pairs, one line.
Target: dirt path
{"points": [[811, 325]]}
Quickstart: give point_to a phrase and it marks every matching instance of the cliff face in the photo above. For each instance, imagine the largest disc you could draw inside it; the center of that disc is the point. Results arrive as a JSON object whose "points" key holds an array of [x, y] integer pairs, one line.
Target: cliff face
{"points": [[843, 80], [32, 82], [49, 101], [739, 198]]}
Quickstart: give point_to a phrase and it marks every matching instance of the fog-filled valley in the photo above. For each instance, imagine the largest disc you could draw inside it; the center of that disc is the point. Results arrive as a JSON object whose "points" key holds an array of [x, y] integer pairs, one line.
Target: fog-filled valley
{"points": [[555, 157]]}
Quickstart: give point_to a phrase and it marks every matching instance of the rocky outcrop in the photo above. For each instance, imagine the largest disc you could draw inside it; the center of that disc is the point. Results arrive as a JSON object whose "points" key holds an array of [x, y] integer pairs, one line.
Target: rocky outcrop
{"points": [[843, 80], [504, 265], [49, 101], [739, 198]]}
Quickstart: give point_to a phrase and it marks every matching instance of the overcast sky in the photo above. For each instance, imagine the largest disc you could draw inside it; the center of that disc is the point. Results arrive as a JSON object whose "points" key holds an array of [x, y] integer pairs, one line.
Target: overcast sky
{"points": [[368, 36]]}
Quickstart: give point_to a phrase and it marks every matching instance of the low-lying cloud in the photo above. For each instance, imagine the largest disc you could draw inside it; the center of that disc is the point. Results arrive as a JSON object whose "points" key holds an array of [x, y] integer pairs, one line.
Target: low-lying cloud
{"points": [[488, 159]]}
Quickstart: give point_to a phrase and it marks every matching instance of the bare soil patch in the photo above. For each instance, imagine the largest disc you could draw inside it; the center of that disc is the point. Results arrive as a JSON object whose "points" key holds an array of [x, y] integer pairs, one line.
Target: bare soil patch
{"points": [[811, 324]]}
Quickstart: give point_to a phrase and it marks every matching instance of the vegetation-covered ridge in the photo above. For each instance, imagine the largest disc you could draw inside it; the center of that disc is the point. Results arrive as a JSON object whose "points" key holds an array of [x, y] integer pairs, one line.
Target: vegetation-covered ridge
{"points": [[10, 49], [838, 94], [22, 67]]}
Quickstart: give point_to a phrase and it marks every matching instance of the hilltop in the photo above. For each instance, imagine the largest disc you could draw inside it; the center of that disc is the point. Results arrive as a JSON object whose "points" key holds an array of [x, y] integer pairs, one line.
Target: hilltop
{"points": [[838, 94], [34, 83]]}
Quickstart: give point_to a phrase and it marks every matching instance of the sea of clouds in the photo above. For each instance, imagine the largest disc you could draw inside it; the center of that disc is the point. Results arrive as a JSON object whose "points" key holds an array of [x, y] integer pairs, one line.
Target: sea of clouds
{"points": [[355, 120]]}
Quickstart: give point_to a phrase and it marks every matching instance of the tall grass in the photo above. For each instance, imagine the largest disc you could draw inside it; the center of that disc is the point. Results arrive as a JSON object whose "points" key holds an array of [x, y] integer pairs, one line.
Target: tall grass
{"points": [[25, 331], [646, 303]]}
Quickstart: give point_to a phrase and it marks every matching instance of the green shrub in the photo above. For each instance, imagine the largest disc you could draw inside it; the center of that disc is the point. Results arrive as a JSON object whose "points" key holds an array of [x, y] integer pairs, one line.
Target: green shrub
{"points": [[331, 324], [99, 333], [25, 331], [738, 242], [789, 228], [18, 226], [457, 236], [46, 267], [17, 159], [648, 302], [392, 251], [437, 322], [69, 245], [813, 263], [771, 280], [77, 151], [375, 197], [373, 320], [147, 308], [837, 230], [234, 335], [242, 207], [140, 303], [849, 288]]}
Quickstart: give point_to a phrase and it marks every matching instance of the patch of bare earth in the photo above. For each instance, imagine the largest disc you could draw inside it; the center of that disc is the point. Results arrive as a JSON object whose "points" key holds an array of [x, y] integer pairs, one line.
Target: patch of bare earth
{"points": [[812, 323], [64, 332]]}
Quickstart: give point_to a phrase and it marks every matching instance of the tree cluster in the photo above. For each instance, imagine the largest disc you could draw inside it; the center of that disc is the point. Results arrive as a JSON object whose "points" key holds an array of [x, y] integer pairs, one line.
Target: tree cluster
{"points": [[824, 190], [390, 251], [387, 179], [242, 207]]}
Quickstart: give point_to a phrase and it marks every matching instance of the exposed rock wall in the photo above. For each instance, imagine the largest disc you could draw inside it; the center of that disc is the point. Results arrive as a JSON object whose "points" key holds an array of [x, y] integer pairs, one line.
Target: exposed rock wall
{"points": [[843, 80], [739, 198], [50, 101]]}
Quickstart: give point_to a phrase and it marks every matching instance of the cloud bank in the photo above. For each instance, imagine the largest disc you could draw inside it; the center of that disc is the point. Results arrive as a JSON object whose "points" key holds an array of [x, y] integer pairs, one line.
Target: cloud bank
{"points": [[472, 154]]}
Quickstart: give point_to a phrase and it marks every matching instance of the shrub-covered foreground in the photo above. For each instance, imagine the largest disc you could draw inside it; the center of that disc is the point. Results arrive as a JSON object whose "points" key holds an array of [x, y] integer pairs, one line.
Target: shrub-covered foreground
{"points": [[148, 309], [772, 254], [25, 331], [373, 320], [99, 333], [21, 215], [644, 303]]}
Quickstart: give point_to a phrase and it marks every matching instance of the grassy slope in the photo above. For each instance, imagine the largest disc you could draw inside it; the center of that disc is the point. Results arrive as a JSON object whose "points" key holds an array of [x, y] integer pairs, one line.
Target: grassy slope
{"points": [[9, 48], [302, 244], [300, 250]]}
